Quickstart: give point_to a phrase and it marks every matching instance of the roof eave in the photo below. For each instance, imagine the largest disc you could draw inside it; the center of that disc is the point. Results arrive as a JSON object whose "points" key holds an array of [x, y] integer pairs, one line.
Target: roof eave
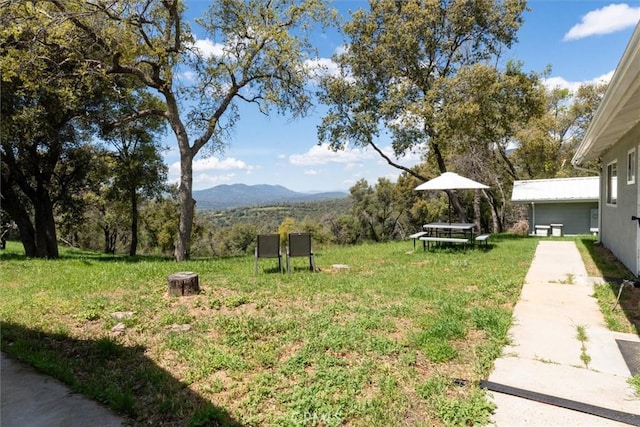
{"points": [[623, 90], [556, 200]]}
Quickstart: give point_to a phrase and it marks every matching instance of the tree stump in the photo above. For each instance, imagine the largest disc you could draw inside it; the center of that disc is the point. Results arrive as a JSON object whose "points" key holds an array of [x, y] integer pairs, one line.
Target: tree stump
{"points": [[183, 283]]}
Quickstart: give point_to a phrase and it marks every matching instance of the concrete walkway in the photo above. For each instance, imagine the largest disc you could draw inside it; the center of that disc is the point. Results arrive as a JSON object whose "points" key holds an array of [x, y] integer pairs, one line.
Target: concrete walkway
{"points": [[546, 356], [30, 399]]}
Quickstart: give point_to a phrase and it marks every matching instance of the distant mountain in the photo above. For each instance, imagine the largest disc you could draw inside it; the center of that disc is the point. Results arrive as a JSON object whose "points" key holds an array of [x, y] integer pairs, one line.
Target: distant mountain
{"points": [[242, 195]]}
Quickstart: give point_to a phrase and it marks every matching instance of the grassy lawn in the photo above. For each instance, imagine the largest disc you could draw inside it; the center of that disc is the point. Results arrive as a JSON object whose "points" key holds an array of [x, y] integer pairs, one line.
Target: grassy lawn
{"points": [[622, 315], [399, 338]]}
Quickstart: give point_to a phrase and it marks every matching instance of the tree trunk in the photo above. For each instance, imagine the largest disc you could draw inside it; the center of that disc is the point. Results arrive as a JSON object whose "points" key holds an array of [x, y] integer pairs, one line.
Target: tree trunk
{"points": [[477, 213], [45, 226], [500, 208], [457, 206], [110, 238], [453, 198], [496, 222], [113, 241], [495, 213], [183, 284], [133, 248], [187, 205], [18, 213], [185, 189]]}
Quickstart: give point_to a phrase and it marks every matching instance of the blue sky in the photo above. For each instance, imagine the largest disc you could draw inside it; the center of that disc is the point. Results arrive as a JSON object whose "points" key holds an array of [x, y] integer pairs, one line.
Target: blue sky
{"points": [[582, 40]]}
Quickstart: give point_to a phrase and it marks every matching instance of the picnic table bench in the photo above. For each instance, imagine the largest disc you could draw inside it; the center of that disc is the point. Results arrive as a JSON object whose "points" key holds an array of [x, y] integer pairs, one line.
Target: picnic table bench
{"points": [[483, 238], [416, 236], [426, 240], [542, 230]]}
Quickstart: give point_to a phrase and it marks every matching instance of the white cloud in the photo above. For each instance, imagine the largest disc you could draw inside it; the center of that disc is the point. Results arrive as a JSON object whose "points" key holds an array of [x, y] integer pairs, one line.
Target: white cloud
{"points": [[189, 76], [559, 82], [202, 181], [311, 172], [327, 67], [322, 155], [353, 166], [323, 66], [342, 49], [352, 158], [609, 19], [210, 164], [207, 49], [207, 171], [411, 158]]}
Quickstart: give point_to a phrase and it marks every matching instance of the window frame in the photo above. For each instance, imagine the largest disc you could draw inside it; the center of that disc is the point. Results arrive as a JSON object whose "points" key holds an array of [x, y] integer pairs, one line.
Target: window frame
{"points": [[612, 196], [632, 162]]}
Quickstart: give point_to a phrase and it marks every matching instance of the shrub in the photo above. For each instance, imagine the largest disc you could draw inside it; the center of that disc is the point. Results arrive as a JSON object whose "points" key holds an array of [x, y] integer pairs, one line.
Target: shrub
{"points": [[520, 228]]}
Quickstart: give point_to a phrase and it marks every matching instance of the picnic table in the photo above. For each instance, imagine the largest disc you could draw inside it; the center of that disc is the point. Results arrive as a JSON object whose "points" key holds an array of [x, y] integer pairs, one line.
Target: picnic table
{"points": [[447, 232]]}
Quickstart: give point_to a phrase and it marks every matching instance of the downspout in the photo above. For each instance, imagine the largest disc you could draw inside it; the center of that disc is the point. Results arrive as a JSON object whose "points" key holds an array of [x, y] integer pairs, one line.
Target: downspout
{"points": [[532, 226], [597, 172]]}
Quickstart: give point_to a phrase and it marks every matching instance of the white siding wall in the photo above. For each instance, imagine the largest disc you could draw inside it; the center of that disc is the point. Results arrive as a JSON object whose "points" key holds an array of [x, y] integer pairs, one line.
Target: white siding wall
{"points": [[618, 232], [575, 217]]}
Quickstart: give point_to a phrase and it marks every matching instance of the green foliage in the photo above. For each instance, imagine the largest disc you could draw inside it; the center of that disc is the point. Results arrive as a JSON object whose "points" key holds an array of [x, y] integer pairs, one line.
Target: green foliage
{"points": [[288, 225], [345, 229], [267, 218], [438, 350], [434, 387], [138, 172], [236, 240], [377, 209], [475, 409], [54, 106], [547, 143], [635, 383], [494, 320], [620, 315], [160, 223], [439, 391], [207, 416], [404, 59], [150, 42]]}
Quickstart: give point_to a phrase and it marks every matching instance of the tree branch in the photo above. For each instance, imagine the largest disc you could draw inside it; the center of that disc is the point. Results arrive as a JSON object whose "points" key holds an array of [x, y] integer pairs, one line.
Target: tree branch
{"points": [[132, 117], [396, 165]]}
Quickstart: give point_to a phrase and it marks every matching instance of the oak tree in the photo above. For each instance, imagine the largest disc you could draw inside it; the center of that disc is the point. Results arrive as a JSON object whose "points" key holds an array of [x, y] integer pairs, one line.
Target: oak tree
{"points": [[49, 107], [397, 68], [257, 55]]}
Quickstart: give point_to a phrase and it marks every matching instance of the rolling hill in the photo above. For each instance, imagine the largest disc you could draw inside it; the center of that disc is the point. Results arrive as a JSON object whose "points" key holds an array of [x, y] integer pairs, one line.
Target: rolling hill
{"points": [[241, 195]]}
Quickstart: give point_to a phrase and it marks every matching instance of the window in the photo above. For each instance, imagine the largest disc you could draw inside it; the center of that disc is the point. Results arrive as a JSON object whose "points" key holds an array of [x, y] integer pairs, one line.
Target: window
{"points": [[612, 183], [631, 166]]}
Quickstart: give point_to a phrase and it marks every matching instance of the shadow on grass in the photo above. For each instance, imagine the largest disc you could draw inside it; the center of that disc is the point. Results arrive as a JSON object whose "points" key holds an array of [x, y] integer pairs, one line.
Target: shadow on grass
{"points": [[121, 377], [614, 273], [608, 265], [16, 253], [455, 249], [88, 256], [507, 236]]}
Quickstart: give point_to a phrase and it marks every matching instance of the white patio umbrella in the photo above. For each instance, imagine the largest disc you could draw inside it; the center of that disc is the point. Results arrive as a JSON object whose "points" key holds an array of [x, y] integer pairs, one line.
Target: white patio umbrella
{"points": [[450, 181]]}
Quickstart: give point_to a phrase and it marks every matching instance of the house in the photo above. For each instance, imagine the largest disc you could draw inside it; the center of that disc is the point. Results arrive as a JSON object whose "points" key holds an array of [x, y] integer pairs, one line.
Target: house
{"points": [[572, 203], [613, 140]]}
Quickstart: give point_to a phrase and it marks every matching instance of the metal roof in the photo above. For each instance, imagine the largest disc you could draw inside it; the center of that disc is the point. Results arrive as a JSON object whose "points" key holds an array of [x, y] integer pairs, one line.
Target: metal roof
{"points": [[582, 189], [619, 110]]}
